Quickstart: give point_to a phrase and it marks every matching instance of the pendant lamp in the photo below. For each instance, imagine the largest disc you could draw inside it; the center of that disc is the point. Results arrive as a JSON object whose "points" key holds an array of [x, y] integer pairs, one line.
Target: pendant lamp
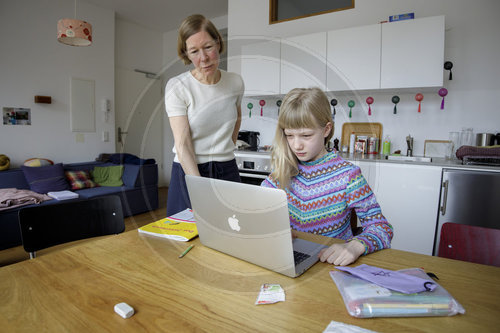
{"points": [[74, 32]]}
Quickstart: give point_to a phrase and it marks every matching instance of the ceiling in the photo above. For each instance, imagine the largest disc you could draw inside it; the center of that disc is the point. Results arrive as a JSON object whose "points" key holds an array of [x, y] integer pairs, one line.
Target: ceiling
{"points": [[162, 15]]}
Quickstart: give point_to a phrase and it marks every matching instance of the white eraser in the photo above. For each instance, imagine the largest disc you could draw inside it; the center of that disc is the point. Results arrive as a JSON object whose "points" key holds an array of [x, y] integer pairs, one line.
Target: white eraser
{"points": [[124, 310]]}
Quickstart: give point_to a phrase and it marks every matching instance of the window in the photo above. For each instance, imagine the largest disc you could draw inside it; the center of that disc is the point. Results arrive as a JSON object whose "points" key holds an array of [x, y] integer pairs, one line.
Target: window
{"points": [[286, 10]]}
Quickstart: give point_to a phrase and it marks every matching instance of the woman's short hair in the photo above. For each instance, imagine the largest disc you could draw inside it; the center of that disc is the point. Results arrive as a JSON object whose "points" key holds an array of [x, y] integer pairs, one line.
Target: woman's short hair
{"points": [[192, 25]]}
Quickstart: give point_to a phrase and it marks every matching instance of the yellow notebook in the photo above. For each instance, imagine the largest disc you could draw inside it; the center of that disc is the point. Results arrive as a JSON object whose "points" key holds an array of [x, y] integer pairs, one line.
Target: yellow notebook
{"points": [[180, 227]]}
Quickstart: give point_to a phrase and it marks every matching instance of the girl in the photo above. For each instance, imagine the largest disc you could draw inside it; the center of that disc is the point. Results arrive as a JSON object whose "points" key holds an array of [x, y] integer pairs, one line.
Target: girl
{"points": [[322, 188]]}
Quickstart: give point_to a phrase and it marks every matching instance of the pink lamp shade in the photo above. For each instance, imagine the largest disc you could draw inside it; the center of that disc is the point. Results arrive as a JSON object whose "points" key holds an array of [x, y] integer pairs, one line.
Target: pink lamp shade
{"points": [[74, 32]]}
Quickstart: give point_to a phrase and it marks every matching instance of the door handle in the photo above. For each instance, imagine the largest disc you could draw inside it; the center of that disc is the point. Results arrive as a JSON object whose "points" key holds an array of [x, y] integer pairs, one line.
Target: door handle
{"points": [[445, 197], [120, 133]]}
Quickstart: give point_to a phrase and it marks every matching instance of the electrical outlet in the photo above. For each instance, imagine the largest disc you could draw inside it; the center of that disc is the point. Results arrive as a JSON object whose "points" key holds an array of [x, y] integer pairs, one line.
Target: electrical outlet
{"points": [[105, 136]]}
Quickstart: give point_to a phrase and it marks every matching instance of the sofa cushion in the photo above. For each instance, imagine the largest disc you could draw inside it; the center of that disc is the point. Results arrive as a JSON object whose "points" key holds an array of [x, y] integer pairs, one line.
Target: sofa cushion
{"points": [[45, 179], [108, 176], [36, 162], [80, 179]]}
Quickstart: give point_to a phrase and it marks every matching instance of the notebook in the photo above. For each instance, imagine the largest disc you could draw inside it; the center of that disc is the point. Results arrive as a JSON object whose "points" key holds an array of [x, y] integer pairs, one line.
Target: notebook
{"points": [[250, 223]]}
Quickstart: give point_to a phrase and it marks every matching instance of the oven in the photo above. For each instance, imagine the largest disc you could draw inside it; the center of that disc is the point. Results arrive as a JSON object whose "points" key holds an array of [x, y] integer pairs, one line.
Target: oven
{"points": [[254, 166]]}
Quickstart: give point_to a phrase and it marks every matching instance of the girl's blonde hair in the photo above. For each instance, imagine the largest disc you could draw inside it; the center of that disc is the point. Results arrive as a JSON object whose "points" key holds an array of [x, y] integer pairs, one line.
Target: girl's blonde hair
{"points": [[301, 108]]}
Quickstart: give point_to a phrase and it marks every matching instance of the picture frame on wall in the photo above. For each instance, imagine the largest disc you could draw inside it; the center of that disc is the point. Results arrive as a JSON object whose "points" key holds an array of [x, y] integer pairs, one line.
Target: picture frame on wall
{"points": [[287, 10], [16, 116]]}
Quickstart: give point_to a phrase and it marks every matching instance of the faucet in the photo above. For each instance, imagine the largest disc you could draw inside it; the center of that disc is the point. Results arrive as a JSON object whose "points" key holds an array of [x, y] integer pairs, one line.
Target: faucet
{"points": [[409, 142]]}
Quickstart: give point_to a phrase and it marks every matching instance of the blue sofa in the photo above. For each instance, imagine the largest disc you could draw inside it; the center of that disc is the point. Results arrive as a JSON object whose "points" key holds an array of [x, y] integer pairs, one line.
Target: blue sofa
{"points": [[138, 194]]}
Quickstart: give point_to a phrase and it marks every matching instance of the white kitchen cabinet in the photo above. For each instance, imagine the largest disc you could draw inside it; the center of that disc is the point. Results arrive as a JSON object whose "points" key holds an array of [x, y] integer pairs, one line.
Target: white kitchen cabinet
{"points": [[303, 62], [353, 58], [369, 171], [259, 65], [409, 198], [392, 55], [412, 53]]}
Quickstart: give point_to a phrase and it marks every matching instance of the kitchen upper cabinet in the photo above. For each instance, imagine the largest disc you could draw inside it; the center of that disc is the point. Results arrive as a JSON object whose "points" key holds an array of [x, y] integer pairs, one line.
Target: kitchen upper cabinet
{"points": [[353, 56], [409, 198], [406, 54], [413, 53], [303, 62], [259, 65]]}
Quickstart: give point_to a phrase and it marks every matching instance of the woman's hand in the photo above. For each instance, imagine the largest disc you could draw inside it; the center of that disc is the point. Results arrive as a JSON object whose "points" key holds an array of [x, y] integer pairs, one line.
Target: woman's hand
{"points": [[342, 254]]}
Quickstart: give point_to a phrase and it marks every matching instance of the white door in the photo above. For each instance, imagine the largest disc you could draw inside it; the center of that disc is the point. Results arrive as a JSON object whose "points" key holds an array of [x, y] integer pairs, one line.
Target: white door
{"points": [[139, 117]]}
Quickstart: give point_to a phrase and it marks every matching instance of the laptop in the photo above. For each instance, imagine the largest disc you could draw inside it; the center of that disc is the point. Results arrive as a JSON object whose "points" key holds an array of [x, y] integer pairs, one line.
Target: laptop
{"points": [[250, 223]]}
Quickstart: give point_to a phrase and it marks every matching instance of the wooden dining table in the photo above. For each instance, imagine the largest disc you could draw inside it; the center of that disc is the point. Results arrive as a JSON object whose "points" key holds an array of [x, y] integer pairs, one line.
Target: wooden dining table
{"points": [[75, 290]]}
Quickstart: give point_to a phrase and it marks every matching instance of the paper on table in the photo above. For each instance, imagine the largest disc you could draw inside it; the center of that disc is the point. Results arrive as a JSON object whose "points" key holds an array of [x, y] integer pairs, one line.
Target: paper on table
{"points": [[338, 327], [185, 216], [270, 293], [401, 282]]}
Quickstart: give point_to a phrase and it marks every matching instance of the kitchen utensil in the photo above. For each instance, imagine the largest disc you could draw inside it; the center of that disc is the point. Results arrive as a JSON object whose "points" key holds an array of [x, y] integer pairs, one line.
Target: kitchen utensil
{"points": [[350, 104], [455, 140], [448, 65], [409, 142], [419, 97], [466, 137], [334, 102], [278, 104], [395, 100], [485, 139], [250, 137], [262, 103], [442, 92], [438, 148], [369, 101], [249, 106]]}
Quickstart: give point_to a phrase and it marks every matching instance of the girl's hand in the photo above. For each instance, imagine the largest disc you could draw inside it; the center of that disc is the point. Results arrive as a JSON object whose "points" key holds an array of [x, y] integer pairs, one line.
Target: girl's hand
{"points": [[342, 254]]}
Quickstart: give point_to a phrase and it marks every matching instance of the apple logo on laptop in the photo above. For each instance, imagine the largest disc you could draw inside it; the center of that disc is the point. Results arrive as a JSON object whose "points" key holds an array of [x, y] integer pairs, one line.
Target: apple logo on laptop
{"points": [[233, 223]]}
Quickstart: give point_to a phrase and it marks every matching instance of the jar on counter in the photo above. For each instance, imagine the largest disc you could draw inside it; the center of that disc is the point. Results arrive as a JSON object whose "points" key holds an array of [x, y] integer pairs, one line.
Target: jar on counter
{"points": [[372, 146]]}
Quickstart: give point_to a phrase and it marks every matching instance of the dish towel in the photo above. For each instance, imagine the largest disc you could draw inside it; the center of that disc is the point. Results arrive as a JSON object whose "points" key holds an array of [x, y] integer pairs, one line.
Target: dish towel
{"points": [[393, 280]]}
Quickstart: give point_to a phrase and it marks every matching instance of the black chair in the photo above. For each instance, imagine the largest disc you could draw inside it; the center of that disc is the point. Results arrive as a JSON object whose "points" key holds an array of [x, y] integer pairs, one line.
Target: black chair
{"points": [[49, 225]]}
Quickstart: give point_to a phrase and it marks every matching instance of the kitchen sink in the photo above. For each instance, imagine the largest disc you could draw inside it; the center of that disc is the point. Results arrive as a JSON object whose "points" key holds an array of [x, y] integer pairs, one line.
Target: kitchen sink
{"points": [[409, 158]]}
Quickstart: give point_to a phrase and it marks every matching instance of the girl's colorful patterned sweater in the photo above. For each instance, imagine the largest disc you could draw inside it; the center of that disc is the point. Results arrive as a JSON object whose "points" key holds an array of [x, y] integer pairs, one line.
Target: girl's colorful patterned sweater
{"points": [[322, 196]]}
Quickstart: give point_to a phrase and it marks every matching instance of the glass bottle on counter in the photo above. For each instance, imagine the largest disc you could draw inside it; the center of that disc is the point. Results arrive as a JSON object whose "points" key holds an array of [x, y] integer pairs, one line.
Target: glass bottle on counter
{"points": [[352, 141]]}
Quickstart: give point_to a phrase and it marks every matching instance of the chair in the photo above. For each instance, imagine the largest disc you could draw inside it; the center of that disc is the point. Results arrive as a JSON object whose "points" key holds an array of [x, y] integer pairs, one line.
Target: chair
{"points": [[54, 224], [354, 224], [470, 243]]}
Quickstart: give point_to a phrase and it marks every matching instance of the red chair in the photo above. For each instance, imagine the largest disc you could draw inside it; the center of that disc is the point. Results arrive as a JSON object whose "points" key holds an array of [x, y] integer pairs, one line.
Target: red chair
{"points": [[470, 243]]}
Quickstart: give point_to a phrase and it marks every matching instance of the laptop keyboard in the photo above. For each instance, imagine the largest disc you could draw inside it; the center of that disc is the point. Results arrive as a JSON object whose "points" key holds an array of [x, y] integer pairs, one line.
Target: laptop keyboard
{"points": [[299, 257]]}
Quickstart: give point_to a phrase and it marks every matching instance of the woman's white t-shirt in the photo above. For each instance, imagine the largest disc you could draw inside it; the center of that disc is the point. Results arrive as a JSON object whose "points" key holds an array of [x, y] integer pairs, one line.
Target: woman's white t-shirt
{"points": [[211, 110]]}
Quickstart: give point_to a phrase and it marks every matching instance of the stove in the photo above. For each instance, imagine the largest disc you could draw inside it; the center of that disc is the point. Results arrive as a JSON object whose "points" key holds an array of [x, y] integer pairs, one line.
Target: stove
{"points": [[254, 166]]}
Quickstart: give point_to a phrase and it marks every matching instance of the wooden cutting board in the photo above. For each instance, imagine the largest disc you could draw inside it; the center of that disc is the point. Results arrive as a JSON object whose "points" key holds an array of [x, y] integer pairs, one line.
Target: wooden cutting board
{"points": [[368, 129]]}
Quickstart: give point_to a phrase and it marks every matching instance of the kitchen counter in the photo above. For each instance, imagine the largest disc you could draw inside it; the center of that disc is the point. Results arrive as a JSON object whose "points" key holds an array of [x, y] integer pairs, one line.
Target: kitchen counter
{"points": [[436, 161]]}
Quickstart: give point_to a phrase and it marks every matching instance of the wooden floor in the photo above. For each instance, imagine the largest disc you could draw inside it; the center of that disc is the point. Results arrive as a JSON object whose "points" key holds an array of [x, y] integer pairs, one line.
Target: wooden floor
{"points": [[17, 254]]}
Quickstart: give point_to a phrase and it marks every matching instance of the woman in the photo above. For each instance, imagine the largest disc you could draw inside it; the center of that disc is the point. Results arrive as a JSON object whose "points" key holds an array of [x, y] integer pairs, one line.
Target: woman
{"points": [[322, 188], [204, 109]]}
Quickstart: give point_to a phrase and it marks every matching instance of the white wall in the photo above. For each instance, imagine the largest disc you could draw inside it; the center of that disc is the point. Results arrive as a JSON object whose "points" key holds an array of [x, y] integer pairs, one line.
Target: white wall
{"points": [[471, 43], [139, 107], [33, 62]]}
